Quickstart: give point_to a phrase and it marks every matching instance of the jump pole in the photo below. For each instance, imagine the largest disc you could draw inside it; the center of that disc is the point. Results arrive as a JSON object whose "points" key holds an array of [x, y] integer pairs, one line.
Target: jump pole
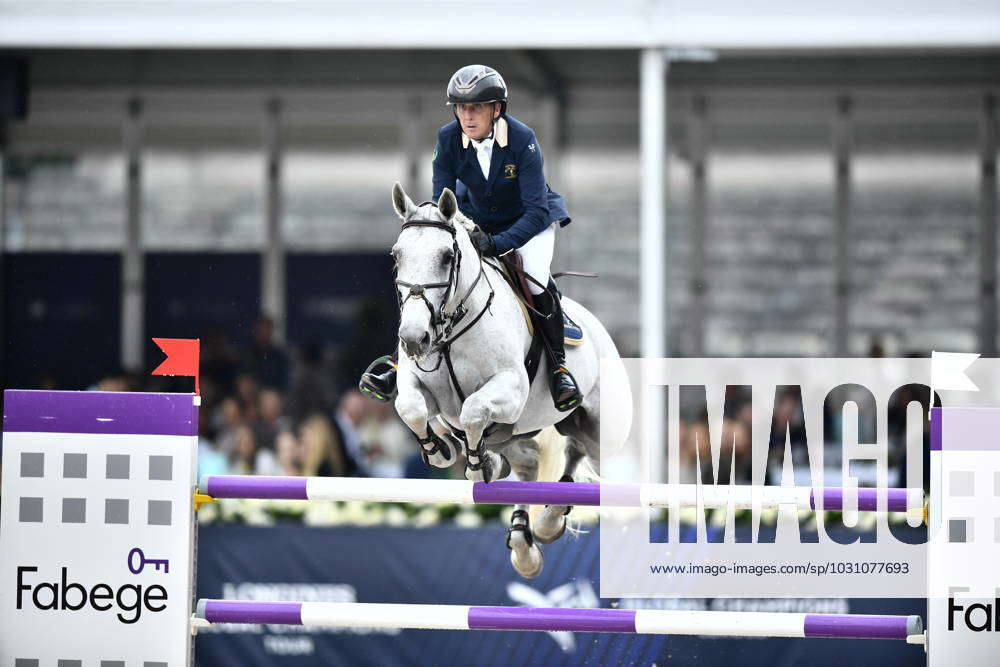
{"points": [[463, 492], [642, 622]]}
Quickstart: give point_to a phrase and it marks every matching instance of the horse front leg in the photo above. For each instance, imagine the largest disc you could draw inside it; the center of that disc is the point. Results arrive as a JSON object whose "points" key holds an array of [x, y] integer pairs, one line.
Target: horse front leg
{"points": [[417, 408], [501, 399]]}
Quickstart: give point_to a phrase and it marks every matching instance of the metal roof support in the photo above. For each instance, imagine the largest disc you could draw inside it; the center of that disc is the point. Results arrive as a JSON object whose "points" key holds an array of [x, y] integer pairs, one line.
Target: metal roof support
{"points": [[988, 228], [653, 247]]}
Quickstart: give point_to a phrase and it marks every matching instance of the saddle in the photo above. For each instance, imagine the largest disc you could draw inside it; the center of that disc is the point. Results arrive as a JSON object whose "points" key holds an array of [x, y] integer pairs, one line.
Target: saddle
{"points": [[512, 269]]}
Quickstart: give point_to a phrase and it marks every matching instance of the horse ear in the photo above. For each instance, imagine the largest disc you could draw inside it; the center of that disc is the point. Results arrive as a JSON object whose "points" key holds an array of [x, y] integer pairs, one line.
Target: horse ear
{"points": [[401, 202], [447, 204]]}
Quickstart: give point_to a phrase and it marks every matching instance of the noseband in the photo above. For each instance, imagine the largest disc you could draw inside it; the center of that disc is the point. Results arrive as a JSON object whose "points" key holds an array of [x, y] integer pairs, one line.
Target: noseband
{"points": [[439, 318]]}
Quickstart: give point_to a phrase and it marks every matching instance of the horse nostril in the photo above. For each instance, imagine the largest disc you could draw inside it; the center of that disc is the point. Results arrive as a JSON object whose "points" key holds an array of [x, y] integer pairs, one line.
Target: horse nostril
{"points": [[425, 339]]}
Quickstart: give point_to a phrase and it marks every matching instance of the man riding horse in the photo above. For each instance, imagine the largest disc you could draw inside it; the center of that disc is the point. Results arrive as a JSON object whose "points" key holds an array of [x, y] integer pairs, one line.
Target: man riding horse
{"points": [[493, 163]]}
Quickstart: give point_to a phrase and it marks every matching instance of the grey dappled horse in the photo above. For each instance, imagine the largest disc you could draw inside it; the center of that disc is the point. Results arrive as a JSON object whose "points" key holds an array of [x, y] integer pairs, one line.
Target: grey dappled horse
{"points": [[463, 339]]}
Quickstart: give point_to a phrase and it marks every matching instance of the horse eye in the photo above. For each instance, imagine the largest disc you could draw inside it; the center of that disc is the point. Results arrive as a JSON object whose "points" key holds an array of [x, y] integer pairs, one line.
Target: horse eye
{"points": [[446, 257]]}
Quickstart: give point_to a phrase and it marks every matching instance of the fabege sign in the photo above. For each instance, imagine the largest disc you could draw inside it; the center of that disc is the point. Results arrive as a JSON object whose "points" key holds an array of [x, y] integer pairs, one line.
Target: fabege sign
{"points": [[96, 527]]}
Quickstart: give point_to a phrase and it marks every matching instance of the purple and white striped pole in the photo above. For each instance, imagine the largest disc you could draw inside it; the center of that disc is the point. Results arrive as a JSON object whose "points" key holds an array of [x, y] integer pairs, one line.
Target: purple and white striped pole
{"points": [[555, 493], [642, 621]]}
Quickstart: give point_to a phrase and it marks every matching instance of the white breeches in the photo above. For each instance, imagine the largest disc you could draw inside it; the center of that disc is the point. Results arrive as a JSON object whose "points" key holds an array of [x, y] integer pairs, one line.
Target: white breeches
{"points": [[536, 256]]}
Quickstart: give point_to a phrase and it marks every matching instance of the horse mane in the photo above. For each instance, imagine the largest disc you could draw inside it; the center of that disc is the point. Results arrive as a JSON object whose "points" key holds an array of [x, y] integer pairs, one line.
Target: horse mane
{"points": [[459, 218]]}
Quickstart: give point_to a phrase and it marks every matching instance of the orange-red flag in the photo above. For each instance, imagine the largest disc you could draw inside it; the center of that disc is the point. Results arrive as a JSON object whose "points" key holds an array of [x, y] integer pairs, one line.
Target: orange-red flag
{"points": [[183, 355]]}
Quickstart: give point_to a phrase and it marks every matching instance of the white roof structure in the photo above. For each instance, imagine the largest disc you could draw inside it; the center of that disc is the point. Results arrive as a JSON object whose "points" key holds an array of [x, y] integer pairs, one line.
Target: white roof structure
{"points": [[301, 24]]}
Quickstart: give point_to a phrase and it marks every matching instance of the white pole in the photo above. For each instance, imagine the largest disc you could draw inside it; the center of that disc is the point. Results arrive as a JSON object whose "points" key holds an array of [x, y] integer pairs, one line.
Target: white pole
{"points": [[653, 256]]}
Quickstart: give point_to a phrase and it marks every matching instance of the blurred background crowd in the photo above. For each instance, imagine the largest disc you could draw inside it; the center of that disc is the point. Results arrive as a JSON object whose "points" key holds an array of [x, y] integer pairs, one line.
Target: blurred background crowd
{"points": [[271, 410]]}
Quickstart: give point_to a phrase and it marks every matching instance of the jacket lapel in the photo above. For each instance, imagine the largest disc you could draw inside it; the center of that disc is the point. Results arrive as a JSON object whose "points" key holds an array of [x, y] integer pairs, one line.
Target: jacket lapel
{"points": [[496, 161], [499, 155], [472, 160]]}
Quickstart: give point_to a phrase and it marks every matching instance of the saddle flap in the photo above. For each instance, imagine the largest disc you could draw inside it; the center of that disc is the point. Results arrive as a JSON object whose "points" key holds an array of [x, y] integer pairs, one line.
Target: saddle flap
{"points": [[514, 268]]}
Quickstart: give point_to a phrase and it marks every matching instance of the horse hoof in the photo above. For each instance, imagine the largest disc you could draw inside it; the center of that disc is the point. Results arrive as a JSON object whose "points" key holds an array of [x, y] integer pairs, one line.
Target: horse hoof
{"points": [[526, 558], [538, 527]]}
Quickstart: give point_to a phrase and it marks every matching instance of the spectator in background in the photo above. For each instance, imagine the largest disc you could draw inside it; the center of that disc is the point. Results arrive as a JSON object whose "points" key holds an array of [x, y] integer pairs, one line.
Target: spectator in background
{"points": [[210, 460], [218, 358], [249, 459], [325, 454], [248, 395], [288, 450], [265, 359], [313, 389], [271, 419], [228, 417], [383, 441]]}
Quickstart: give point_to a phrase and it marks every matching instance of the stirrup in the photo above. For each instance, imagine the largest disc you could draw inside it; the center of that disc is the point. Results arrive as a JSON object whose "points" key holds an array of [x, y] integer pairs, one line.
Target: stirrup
{"points": [[575, 398], [367, 385]]}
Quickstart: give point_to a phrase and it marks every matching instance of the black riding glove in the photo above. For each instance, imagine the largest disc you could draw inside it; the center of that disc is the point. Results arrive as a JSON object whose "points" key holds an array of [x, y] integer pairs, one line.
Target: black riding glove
{"points": [[484, 242]]}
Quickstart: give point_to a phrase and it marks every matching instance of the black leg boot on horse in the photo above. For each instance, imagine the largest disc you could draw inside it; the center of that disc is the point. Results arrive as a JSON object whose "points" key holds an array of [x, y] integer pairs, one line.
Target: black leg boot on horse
{"points": [[565, 393], [379, 379]]}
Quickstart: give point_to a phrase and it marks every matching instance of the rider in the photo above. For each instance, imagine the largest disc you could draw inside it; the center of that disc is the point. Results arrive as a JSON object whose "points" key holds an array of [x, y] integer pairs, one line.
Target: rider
{"points": [[497, 164]]}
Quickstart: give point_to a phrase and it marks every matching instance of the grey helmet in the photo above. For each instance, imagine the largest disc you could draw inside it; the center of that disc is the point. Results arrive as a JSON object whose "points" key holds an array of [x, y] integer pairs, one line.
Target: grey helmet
{"points": [[477, 84]]}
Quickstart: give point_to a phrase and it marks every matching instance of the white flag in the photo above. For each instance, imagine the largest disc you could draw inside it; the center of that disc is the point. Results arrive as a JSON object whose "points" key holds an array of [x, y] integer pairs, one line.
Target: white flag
{"points": [[948, 371]]}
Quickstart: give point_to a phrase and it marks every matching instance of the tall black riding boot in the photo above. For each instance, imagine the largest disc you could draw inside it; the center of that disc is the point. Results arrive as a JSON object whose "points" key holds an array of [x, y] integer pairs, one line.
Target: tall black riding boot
{"points": [[380, 386], [565, 394]]}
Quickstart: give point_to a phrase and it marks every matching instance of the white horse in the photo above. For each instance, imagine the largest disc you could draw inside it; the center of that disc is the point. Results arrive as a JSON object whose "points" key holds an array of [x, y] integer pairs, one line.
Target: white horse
{"points": [[463, 339]]}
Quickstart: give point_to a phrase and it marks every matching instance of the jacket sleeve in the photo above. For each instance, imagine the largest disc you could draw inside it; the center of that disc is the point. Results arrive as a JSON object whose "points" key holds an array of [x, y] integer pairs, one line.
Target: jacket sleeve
{"points": [[534, 198], [444, 168]]}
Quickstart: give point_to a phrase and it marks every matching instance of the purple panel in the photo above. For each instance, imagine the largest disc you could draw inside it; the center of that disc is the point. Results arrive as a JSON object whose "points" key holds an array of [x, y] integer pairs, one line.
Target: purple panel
{"points": [[833, 499], [536, 493], [232, 611], [540, 618], [860, 626], [937, 414], [99, 412], [240, 486]]}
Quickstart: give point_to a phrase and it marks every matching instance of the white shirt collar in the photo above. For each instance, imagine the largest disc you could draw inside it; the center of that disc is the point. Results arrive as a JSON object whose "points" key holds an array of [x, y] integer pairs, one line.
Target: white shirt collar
{"points": [[499, 134], [485, 144]]}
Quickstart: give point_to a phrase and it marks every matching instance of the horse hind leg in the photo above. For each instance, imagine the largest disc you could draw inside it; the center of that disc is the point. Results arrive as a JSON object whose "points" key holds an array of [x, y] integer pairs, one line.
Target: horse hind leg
{"points": [[525, 553]]}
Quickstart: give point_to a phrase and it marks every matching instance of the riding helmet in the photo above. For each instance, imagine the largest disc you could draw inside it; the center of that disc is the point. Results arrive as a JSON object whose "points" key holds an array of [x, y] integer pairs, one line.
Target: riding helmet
{"points": [[477, 84]]}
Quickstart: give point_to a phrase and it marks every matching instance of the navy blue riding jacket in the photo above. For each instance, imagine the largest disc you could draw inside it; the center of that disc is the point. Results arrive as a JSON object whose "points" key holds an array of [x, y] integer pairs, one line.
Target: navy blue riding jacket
{"points": [[514, 203]]}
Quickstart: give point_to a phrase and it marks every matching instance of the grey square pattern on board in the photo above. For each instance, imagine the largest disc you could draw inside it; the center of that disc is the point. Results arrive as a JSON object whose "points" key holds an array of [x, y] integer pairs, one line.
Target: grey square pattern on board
{"points": [[154, 664], [32, 464], [69, 663], [957, 530], [75, 466], [25, 662], [30, 510], [115, 510], [159, 513], [112, 663], [74, 510], [161, 467], [117, 466]]}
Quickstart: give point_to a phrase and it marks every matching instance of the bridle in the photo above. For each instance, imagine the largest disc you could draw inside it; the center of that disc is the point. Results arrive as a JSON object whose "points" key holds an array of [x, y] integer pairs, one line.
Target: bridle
{"points": [[443, 322]]}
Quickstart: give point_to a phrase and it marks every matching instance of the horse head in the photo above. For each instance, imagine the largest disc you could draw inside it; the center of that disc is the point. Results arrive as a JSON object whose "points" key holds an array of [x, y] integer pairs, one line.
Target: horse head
{"points": [[430, 271]]}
